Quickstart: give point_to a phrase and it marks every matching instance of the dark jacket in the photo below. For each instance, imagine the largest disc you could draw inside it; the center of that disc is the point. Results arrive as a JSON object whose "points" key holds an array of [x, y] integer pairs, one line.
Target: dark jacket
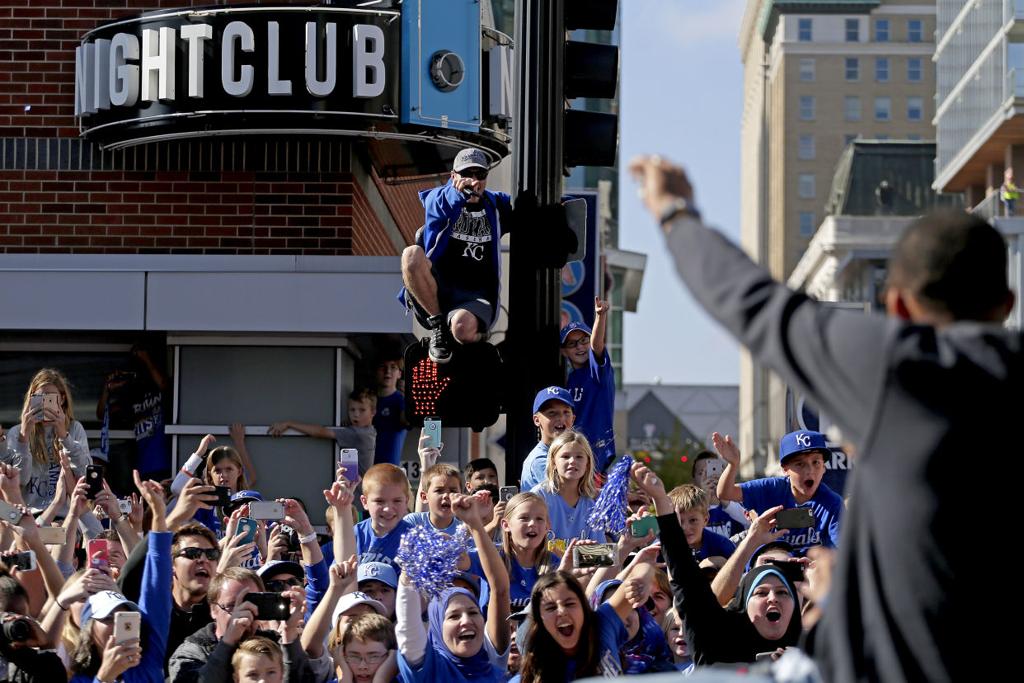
{"points": [[28, 665], [715, 634], [925, 409], [204, 657]]}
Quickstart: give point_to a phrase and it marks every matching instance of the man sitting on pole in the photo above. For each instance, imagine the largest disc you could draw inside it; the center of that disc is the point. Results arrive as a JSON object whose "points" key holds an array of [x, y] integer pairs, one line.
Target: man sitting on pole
{"points": [[452, 273]]}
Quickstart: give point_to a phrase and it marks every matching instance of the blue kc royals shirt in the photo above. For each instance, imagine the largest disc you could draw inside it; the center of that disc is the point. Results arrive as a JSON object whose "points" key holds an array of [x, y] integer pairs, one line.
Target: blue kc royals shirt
{"points": [[593, 390], [374, 548], [826, 505]]}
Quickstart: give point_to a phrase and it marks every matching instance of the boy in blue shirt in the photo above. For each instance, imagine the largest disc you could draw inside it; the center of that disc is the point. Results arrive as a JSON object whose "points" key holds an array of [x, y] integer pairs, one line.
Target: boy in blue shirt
{"points": [[437, 486], [389, 420], [385, 498], [725, 518], [553, 413], [691, 504], [802, 455], [591, 381]]}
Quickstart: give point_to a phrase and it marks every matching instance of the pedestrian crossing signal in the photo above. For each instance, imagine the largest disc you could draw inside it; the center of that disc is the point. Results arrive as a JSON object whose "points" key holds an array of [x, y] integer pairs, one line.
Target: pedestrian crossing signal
{"points": [[464, 392]]}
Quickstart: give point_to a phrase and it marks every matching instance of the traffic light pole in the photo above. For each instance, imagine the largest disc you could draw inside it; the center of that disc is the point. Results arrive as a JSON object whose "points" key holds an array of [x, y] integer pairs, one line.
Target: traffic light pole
{"points": [[532, 349]]}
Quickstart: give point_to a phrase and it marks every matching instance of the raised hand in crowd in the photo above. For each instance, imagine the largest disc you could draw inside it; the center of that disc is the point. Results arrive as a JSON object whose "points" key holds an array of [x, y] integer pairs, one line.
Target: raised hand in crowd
{"points": [[194, 496], [153, 493]]}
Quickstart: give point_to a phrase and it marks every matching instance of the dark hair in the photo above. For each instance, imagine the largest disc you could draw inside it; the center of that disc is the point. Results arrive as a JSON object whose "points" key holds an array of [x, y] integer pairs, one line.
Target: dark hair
{"points": [[954, 263], [479, 464], [364, 395], [190, 530], [10, 588], [544, 659], [703, 455], [491, 489]]}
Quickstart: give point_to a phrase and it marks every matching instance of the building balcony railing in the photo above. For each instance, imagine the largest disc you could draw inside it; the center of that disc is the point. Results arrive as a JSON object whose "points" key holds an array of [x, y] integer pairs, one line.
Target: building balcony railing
{"points": [[989, 207]]}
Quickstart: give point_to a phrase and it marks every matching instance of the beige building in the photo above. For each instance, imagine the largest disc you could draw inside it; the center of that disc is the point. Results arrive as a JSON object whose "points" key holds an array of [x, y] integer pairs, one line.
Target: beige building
{"points": [[817, 75]]}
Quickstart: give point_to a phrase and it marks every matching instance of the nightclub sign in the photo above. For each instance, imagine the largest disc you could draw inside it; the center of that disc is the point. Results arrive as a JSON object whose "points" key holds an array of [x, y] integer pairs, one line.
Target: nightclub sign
{"points": [[225, 70]]}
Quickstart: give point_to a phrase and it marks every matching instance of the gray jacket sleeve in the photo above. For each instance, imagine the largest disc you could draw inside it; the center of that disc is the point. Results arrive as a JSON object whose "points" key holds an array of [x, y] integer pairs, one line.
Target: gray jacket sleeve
{"points": [[296, 664], [190, 663], [831, 355]]}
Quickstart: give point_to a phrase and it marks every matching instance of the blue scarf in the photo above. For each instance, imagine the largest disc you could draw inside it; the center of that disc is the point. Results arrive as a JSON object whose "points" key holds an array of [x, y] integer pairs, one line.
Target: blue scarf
{"points": [[440, 664]]}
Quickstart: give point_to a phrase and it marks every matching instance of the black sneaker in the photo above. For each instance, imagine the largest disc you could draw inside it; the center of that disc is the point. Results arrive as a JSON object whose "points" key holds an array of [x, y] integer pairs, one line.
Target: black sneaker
{"points": [[440, 340]]}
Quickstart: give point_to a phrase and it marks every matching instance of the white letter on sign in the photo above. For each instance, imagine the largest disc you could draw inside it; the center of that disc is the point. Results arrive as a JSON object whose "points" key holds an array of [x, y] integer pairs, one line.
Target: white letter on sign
{"points": [[275, 86], [158, 64], [195, 34], [367, 60], [313, 85], [85, 59], [124, 77], [101, 78], [234, 32]]}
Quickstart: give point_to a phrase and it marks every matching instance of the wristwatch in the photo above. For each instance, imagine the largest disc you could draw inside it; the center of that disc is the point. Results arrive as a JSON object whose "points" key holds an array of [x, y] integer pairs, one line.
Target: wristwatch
{"points": [[678, 206]]}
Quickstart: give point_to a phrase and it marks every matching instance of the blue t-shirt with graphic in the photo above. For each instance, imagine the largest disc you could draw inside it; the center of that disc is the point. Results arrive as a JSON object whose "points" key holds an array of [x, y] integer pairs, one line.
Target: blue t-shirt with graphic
{"points": [[534, 467], [374, 548], [713, 545], [390, 434], [593, 389], [721, 522], [827, 507], [568, 522], [423, 519]]}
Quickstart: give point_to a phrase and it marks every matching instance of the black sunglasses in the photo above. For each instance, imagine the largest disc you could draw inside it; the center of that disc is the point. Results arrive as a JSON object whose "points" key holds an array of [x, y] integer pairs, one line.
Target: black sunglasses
{"points": [[474, 173], [212, 554], [281, 585]]}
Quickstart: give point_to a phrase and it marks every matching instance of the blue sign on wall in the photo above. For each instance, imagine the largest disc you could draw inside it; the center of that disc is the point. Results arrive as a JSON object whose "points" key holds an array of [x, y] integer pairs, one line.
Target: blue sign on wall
{"points": [[441, 64], [580, 279]]}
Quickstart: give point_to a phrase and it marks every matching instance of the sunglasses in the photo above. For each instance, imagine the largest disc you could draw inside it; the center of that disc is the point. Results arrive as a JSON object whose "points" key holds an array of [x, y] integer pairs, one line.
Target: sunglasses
{"points": [[212, 554], [474, 173], [281, 585]]}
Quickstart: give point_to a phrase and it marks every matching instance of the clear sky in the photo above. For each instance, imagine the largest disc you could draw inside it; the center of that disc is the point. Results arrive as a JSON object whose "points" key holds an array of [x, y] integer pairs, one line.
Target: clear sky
{"points": [[681, 92]]}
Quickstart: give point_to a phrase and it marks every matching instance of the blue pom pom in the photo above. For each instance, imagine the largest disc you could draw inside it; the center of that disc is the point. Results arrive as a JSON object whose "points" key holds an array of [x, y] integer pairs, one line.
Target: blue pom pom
{"points": [[430, 558], [609, 513]]}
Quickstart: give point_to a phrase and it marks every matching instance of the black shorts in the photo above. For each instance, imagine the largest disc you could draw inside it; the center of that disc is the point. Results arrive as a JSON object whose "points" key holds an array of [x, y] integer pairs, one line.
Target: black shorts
{"points": [[452, 300]]}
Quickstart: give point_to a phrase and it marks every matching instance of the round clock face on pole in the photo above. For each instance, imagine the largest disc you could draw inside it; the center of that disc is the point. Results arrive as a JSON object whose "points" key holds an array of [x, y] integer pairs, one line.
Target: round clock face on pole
{"points": [[447, 70]]}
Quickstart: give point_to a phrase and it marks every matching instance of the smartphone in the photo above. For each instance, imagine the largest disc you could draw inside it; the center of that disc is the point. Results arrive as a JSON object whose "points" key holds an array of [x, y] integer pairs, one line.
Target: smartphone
{"points": [[269, 606], [640, 527], [35, 404], [9, 513], [125, 506], [349, 459], [24, 561], [713, 469], [432, 428], [53, 535], [593, 555], [51, 401], [223, 494], [247, 528], [505, 493], [793, 571], [98, 552], [794, 518], [763, 656], [94, 478], [270, 509], [126, 626]]}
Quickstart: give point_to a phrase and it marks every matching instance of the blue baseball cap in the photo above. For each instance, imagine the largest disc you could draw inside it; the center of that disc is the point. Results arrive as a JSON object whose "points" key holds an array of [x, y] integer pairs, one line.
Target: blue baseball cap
{"points": [[240, 498], [553, 394], [799, 442], [575, 325], [377, 571]]}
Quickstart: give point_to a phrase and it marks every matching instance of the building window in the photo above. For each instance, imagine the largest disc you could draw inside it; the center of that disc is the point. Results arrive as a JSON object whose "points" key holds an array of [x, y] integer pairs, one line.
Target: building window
{"points": [[914, 69], [882, 30], [807, 107], [806, 223], [853, 30], [852, 68], [849, 137], [805, 187], [883, 109], [915, 108], [882, 69], [805, 150], [804, 31], [851, 107], [807, 69], [915, 30]]}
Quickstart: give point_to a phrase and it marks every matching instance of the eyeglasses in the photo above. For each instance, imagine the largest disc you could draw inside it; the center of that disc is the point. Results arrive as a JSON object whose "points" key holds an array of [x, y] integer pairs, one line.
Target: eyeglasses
{"points": [[369, 660], [582, 341], [212, 554], [227, 608], [281, 585], [474, 173]]}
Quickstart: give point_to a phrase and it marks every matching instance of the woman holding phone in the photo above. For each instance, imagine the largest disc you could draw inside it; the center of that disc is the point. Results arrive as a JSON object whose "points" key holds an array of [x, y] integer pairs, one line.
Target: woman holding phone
{"points": [[47, 424]]}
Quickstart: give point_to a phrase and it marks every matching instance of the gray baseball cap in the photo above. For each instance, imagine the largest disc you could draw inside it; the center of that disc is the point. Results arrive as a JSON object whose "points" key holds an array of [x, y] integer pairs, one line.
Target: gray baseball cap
{"points": [[469, 158]]}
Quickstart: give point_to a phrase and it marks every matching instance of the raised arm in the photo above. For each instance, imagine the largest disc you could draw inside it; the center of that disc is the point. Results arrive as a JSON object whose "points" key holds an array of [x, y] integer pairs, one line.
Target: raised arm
{"points": [[467, 510], [727, 489], [597, 338], [319, 431], [728, 578], [237, 432], [340, 498], [342, 577]]}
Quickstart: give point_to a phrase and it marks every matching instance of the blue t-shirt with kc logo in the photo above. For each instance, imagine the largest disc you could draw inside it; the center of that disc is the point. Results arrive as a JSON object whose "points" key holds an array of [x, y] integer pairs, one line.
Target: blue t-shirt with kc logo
{"points": [[826, 505], [593, 390]]}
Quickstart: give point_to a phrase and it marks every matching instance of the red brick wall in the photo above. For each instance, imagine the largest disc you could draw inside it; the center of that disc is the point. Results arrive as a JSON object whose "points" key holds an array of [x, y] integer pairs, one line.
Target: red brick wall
{"points": [[62, 194]]}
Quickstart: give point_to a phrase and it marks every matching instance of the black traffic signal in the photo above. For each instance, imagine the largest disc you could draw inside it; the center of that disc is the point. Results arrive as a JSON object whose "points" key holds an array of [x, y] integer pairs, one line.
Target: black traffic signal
{"points": [[464, 392], [590, 70]]}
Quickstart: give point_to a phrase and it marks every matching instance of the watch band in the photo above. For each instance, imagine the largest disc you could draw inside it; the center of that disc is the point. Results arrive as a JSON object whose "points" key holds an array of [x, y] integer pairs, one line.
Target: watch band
{"points": [[678, 206]]}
